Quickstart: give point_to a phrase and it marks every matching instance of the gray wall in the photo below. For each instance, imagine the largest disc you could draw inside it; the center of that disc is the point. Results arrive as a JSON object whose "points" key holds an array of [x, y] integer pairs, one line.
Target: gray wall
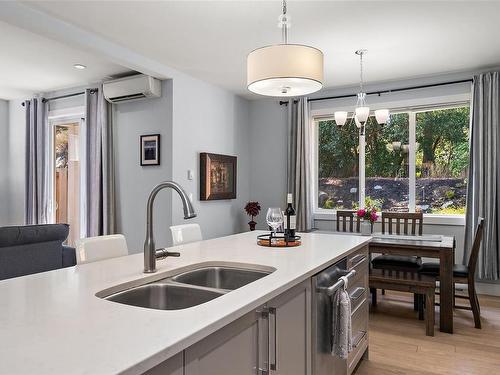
{"points": [[192, 117], [16, 161], [133, 182], [210, 119], [268, 156], [4, 162]]}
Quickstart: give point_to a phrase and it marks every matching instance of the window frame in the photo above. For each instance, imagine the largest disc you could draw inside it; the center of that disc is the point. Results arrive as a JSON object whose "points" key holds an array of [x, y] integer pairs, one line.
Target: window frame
{"points": [[327, 114]]}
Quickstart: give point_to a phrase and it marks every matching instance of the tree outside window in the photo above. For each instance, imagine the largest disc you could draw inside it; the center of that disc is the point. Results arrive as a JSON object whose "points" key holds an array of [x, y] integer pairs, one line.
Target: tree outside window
{"points": [[441, 162]]}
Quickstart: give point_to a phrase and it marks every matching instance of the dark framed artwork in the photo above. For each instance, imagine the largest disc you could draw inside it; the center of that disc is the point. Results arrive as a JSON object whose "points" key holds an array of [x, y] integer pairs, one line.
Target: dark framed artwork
{"points": [[150, 149], [217, 177]]}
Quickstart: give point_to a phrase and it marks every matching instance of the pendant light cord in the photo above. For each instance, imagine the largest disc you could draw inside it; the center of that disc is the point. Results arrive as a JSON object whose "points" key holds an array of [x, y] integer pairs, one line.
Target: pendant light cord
{"points": [[361, 71], [284, 24]]}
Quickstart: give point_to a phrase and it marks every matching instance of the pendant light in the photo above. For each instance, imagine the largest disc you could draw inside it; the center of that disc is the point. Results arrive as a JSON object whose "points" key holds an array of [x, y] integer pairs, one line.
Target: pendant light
{"points": [[362, 111], [285, 70]]}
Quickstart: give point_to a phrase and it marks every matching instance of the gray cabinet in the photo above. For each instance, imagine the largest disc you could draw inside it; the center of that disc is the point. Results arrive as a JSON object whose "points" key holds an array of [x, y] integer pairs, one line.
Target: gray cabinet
{"points": [[290, 331], [229, 351], [273, 340], [172, 366]]}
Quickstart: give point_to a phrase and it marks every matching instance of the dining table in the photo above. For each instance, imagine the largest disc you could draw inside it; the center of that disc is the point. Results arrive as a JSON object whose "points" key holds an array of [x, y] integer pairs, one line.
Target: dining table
{"points": [[427, 246]]}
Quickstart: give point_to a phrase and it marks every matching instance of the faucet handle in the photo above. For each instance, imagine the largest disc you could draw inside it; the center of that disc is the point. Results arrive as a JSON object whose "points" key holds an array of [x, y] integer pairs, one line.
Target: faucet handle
{"points": [[163, 253]]}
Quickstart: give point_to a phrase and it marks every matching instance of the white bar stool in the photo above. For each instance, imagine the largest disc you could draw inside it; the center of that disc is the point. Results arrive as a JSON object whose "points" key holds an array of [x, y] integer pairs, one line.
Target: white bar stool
{"points": [[185, 233], [93, 249]]}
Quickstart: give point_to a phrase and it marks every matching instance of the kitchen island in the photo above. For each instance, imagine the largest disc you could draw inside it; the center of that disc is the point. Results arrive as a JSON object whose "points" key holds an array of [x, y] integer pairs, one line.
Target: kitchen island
{"points": [[53, 322]]}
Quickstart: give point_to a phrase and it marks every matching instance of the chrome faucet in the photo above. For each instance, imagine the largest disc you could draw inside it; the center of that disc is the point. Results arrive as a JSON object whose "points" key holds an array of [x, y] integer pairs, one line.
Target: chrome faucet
{"points": [[150, 251]]}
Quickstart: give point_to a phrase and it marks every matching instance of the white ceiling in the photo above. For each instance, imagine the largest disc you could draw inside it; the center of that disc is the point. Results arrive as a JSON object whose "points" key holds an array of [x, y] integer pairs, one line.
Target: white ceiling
{"points": [[210, 39], [31, 64]]}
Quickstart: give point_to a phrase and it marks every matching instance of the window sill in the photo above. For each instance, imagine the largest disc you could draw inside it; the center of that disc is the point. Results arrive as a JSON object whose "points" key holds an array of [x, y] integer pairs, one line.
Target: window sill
{"points": [[459, 220]]}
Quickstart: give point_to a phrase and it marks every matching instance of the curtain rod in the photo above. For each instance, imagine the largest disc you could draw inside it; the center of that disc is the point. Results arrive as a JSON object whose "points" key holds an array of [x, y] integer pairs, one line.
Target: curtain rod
{"points": [[386, 91], [45, 100]]}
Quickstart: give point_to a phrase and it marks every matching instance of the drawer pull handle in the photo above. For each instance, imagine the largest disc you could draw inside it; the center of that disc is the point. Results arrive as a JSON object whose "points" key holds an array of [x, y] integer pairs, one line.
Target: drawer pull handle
{"points": [[358, 292], [272, 339], [357, 262], [359, 337]]}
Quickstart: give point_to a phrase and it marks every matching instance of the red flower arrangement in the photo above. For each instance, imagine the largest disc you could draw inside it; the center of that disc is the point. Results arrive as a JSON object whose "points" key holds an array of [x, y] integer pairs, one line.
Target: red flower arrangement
{"points": [[252, 209], [369, 213]]}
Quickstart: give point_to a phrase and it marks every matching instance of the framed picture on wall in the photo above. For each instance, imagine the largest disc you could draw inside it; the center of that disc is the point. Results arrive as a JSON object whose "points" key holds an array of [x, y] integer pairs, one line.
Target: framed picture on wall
{"points": [[217, 177], [150, 149]]}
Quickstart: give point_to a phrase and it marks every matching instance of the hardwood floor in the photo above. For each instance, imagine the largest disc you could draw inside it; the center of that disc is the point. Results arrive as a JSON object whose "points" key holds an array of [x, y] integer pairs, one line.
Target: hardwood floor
{"points": [[398, 344]]}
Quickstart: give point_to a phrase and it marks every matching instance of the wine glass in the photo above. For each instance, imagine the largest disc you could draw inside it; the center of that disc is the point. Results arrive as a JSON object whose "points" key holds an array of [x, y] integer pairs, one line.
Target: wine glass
{"points": [[274, 218]]}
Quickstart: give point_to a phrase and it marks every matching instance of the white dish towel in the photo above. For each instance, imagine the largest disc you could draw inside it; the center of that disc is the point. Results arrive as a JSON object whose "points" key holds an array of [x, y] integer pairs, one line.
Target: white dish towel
{"points": [[341, 321]]}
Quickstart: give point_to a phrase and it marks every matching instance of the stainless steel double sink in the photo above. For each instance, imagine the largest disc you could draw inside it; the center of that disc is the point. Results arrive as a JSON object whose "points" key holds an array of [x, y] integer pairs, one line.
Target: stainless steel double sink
{"points": [[188, 288]]}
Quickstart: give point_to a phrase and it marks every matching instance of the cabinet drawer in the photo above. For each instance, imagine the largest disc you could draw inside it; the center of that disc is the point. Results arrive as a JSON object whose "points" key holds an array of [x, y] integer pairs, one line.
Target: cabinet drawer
{"points": [[359, 335], [356, 258], [358, 285], [355, 356]]}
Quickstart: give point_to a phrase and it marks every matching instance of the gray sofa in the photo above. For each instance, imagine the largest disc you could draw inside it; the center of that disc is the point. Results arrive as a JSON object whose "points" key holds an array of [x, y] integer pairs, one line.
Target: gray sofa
{"points": [[34, 248]]}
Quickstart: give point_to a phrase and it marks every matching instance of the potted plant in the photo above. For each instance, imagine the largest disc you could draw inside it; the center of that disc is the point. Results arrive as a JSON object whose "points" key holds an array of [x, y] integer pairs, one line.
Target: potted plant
{"points": [[252, 209], [369, 216]]}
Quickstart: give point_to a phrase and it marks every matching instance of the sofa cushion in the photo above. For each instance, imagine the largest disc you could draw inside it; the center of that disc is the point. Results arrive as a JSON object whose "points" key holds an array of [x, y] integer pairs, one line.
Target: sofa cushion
{"points": [[31, 249], [23, 235]]}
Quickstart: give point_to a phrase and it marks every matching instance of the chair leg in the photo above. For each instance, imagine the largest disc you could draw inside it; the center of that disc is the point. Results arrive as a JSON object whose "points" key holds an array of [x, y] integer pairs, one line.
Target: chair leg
{"points": [[420, 306], [415, 301], [373, 291], [383, 292], [474, 303], [429, 312]]}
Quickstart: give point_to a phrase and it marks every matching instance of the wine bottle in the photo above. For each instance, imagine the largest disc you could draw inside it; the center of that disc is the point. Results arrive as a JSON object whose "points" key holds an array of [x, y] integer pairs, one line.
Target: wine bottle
{"points": [[291, 218]]}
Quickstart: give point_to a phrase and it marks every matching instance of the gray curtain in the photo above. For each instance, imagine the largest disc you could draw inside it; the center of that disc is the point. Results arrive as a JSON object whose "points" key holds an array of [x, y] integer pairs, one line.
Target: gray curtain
{"points": [[299, 162], [98, 183], [483, 193], [37, 203]]}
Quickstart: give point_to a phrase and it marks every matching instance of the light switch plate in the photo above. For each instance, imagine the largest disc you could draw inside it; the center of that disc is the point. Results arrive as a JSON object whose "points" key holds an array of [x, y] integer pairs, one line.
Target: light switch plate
{"points": [[190, 174]]}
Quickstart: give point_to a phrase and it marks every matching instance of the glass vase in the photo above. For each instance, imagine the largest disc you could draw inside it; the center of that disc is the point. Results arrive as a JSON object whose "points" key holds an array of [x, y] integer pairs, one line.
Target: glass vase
{"points": [[366, 228]]}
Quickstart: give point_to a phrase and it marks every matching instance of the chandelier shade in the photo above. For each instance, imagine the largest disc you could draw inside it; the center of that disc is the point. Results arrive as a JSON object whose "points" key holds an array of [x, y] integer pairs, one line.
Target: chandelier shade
{"points": [[362, 114], [340, 117], [285, 70], [382, 115]]}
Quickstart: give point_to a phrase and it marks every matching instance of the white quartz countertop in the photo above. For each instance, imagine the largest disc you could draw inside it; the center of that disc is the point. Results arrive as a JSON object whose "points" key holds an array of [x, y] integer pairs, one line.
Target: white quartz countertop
{"points": [[52, 322]]}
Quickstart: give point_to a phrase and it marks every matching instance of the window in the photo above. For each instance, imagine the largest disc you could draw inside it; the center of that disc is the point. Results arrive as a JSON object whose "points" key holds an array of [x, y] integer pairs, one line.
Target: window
{"points": [[442, 160], [66, 177], [387, 162], [416, 162], [338, 167]]}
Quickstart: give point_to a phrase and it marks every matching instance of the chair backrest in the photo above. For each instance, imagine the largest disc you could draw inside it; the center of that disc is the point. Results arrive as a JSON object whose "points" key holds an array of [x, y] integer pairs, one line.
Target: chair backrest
{"points": [[185, 233], [344, 217], [476, 245], [403, 219], [93, 249]]}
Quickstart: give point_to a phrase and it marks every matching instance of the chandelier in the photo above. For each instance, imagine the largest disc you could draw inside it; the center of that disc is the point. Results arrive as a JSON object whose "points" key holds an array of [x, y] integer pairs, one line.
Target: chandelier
{"points": [[285, 70], [362, 111]]}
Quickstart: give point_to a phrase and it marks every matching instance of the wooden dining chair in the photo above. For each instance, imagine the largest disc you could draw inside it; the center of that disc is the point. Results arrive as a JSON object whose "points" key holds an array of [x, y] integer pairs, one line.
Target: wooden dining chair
{"points": [[347, 217], [464, 274], [401, 223]]}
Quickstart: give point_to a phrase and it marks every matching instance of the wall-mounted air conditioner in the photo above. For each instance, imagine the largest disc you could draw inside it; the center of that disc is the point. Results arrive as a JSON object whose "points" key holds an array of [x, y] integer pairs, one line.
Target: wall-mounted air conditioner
{"points": [[132, 88]]}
